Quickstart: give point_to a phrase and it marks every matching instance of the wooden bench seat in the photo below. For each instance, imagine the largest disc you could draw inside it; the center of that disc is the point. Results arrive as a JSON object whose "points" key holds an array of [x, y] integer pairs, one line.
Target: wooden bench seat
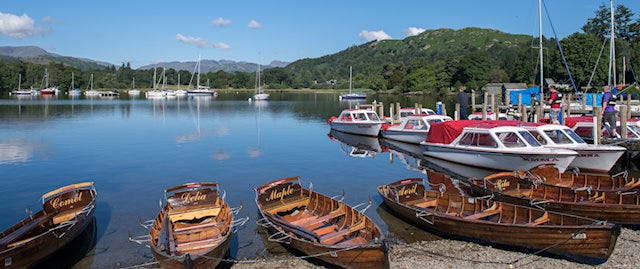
{"points": [[542, 219], [337, 236], [482, 214], [325, 230], [60, 218], [311, 224], [196, 227], [422, 203], [288, 205], [9, 239], [193, 245], [194, 214]]}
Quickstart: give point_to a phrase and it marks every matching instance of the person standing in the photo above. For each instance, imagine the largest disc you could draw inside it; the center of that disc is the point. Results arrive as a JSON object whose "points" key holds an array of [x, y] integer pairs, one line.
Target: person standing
{"points": [[609, 111], [555, 101], [463, 100]]}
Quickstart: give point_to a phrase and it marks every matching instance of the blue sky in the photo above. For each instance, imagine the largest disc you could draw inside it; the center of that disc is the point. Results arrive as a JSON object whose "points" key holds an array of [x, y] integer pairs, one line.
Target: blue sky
{"points": [[144, 32]]}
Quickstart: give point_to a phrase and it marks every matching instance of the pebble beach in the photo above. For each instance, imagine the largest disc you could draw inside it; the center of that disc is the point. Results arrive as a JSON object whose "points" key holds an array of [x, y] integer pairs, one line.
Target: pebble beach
{"points": [[447, 253]]}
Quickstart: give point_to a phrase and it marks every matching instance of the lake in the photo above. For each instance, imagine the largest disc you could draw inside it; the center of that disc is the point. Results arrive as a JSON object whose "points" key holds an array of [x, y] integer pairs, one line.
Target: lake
{"points": [[134, 148]]}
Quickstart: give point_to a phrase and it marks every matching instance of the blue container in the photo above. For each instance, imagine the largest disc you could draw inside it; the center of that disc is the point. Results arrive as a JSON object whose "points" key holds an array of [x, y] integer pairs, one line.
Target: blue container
{"points": [[439, 108]]}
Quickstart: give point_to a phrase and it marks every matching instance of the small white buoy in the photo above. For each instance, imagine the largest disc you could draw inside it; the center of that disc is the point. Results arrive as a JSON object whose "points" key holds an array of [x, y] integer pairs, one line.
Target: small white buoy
{"points": [[249, 100]]}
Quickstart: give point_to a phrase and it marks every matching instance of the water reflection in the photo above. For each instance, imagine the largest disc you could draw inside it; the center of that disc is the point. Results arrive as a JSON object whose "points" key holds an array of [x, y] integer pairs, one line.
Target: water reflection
{"points": [[18, 150], [256, 151], [78, 252], [358, 146]]}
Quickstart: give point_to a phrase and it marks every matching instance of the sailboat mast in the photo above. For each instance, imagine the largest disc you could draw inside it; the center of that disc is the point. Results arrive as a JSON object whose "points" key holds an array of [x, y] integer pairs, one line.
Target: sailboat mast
{"points": [[19, 80], [612, 50], [350, 69], [198, 76], [540, 51]]}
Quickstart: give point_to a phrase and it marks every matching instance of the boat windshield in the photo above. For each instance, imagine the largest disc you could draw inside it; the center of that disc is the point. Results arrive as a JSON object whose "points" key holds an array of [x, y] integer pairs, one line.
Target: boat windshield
{"points": [[538, 136], [373, 116], [575, 136], [558, 136], [415, 125], [530, 139]]}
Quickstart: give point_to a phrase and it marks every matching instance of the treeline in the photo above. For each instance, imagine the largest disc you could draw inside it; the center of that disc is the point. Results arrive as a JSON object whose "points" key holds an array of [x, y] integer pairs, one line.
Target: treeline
{"points": [[435, 61]]}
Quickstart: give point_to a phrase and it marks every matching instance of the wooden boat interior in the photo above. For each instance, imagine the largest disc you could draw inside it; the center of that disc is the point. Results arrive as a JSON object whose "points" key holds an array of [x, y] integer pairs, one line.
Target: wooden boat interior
{"points": [[551, 176], [510, 185], [194, 220], [58, 206], [313, 216], [412, 193]]}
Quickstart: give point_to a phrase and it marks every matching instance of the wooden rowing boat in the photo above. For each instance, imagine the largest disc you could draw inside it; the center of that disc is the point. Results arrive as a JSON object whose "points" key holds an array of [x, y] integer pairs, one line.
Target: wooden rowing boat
{"points": [[66, 213], [488, 221], [619, 206], [319, 226], [549, 175], [193, 229]]}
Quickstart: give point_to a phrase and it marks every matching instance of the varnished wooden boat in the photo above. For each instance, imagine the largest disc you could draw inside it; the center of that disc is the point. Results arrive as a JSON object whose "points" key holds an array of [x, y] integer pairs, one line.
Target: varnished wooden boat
{"points": [[193, 229], [488, 221], [66, 213], [549, 175], [622, 207], [319, 226]]}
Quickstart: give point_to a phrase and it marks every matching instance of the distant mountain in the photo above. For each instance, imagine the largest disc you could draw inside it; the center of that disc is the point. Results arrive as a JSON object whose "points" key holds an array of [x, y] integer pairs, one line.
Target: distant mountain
{"points": [[38, 55], [214, 66]]}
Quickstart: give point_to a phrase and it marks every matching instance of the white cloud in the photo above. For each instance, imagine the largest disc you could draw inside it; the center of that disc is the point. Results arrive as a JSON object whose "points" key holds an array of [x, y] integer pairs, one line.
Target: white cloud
{"points": [[374, 35], [253, 24], [19, 26], [201, 43], [220, 21], [411, 31]]}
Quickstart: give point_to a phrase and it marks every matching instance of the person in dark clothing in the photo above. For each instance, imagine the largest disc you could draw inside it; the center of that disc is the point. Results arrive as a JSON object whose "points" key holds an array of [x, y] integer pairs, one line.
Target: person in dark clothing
{"points": [[463, 100]]}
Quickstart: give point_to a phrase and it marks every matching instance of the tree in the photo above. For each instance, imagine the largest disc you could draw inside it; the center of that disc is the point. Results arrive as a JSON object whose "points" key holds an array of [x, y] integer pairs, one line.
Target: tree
{"points": [[600, 25]]}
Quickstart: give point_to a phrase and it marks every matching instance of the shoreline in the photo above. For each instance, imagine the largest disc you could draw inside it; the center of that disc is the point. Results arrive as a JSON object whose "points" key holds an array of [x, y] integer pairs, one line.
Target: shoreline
{"points": [[448, 253]]}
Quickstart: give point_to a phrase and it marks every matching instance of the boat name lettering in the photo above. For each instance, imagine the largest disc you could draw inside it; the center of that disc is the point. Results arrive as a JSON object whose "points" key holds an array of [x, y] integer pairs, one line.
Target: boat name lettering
{"points": [[502, 183], [591, 155], [188, 198], [279, 194], [58, 203], [408, 190]]}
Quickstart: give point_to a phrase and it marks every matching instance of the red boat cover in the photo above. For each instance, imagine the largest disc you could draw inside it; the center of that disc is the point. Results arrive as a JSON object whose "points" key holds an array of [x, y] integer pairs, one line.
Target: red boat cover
{"points": [[572, 121], [447, 131]]}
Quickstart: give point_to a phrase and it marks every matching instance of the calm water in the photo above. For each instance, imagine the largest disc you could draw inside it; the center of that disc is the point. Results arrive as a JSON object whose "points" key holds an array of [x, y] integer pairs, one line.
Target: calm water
{"points": [[135, 148]]}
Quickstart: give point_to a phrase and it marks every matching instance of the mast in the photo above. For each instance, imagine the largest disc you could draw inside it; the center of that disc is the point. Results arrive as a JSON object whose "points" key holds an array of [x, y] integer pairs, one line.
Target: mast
{"points": [[19, 80], [198, 76], [612, 50], [540, 51], [350, 69], [71, 88]]}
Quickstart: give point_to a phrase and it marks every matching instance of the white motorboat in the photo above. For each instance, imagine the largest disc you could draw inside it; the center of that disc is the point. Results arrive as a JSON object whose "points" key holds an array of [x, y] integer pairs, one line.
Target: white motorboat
{"points": [[357, 121], [413, 128], [491, 145], [596, 158]]}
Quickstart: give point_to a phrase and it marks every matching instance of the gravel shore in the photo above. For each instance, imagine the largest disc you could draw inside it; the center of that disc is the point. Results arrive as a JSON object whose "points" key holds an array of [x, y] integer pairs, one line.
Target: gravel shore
{"points": [[458, 254]]}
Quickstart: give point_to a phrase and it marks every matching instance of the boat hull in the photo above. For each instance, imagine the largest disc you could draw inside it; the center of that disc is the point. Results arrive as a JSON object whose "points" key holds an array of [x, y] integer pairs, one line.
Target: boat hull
{"points": [[413, 137], [261, 96], [365, 128], [498, 160], [596, 160], [209, 260]]}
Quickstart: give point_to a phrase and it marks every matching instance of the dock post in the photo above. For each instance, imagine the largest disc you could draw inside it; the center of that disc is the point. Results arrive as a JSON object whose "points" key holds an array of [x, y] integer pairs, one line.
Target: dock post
{"points": [[457, 114], [507, 97], [484, 105], [569, 98], [593, 103], [584, 101], [623, 121], [444, 109], [598, 124], [629, 107], [473, 101], [416, 108], [391, 113], [381, 110], [539, 112], [493, 105], [397, 118]]}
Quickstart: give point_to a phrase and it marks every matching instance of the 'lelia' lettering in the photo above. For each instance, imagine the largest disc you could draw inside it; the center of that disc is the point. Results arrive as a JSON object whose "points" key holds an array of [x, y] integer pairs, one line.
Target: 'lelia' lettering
{"points": [[279, 194], [58, 203]]}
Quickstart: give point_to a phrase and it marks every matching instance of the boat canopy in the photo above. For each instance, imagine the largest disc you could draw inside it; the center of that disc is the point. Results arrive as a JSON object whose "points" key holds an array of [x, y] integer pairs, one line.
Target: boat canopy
{"points": [[446, 132]]}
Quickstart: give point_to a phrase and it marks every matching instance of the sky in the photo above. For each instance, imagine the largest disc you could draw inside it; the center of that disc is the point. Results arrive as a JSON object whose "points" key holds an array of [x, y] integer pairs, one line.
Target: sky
{"points": [[144, 32]]}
